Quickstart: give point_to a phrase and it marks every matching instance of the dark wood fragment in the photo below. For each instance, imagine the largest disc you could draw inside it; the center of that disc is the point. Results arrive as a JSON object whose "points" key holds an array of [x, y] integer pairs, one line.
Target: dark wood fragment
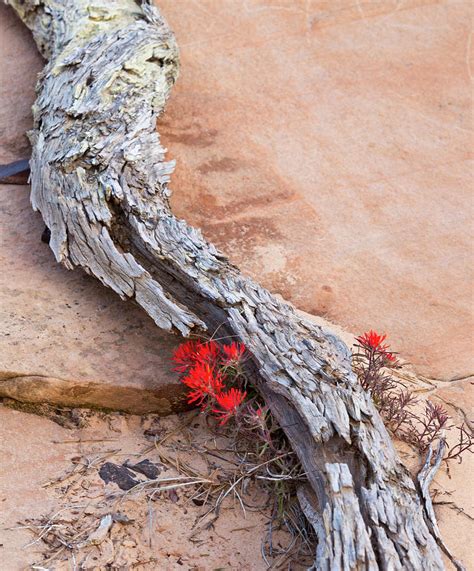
{"points": [[16, 172], [119, 475], [145, 467]]}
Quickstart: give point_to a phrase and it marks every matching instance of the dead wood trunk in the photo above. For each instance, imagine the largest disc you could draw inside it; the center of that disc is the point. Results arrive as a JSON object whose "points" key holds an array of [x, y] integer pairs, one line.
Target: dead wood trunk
{"points": [[99, 178]]}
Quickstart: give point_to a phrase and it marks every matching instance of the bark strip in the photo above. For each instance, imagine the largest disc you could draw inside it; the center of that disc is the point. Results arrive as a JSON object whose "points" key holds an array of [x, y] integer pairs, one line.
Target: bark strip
{"points": [[100, 180]]}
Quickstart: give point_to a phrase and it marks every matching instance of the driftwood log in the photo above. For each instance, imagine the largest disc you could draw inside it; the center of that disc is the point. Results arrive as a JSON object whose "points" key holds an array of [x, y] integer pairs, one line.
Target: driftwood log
{"points": [[100, 180]]}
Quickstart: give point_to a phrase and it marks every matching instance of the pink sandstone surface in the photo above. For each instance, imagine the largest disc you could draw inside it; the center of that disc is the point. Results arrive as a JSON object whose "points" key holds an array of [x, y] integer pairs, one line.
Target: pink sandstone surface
{"points": [[325, 147]]}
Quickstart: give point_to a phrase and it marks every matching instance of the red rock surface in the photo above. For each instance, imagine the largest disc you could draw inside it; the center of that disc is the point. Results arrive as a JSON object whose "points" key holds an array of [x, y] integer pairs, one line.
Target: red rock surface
{"points": [[324, 146]]}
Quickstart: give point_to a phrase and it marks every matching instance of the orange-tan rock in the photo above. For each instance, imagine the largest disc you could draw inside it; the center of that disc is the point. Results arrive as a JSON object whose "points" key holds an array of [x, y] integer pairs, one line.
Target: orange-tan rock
{"points": [[326, 151]]}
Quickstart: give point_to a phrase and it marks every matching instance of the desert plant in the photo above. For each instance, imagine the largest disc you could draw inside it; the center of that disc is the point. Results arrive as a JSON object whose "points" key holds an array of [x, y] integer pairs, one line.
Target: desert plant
{"points": [[215, 376], [372, 362]]}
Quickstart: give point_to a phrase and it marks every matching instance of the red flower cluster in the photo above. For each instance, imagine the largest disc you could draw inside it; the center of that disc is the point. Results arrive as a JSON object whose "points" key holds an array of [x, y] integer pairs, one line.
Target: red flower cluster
{"points": [[420, 428], [208, 369], [233, 353], [372, 342]]}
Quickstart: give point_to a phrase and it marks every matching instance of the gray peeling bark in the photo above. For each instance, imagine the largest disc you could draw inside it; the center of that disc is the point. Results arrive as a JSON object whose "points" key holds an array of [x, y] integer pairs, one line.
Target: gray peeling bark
{"points": [[100, 180]]}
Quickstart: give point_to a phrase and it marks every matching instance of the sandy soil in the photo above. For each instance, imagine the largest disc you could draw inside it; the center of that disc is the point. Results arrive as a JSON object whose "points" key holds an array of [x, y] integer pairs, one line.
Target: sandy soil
{"points": [[50, 477]]}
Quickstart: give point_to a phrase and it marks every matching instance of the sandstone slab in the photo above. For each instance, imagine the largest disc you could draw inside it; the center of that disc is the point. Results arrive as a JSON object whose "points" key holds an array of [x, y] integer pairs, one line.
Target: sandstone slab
{"points": [[65, 338], [324, 147], [327, 148]]}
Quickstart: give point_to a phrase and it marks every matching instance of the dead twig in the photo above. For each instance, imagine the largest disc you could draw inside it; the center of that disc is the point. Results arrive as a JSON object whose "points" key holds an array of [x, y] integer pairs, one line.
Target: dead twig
{"points": [[425, 477]]}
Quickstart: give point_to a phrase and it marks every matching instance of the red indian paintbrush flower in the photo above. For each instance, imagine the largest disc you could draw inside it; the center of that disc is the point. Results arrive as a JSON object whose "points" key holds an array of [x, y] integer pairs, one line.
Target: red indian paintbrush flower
{"points": [[192, 352], [208, 352], [373, 340], [234, 352], [204, 382], [185, 355], [229, 402]]}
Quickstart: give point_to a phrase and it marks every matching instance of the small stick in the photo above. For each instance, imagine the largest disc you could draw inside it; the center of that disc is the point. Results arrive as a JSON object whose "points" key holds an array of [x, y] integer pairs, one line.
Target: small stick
{"points": [[425, 477], [79, 441], [10, 173]]}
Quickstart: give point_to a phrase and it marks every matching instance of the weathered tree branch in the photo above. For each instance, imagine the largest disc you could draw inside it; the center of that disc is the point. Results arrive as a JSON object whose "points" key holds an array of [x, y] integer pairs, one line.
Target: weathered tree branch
{"points": [[99, 178]]}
